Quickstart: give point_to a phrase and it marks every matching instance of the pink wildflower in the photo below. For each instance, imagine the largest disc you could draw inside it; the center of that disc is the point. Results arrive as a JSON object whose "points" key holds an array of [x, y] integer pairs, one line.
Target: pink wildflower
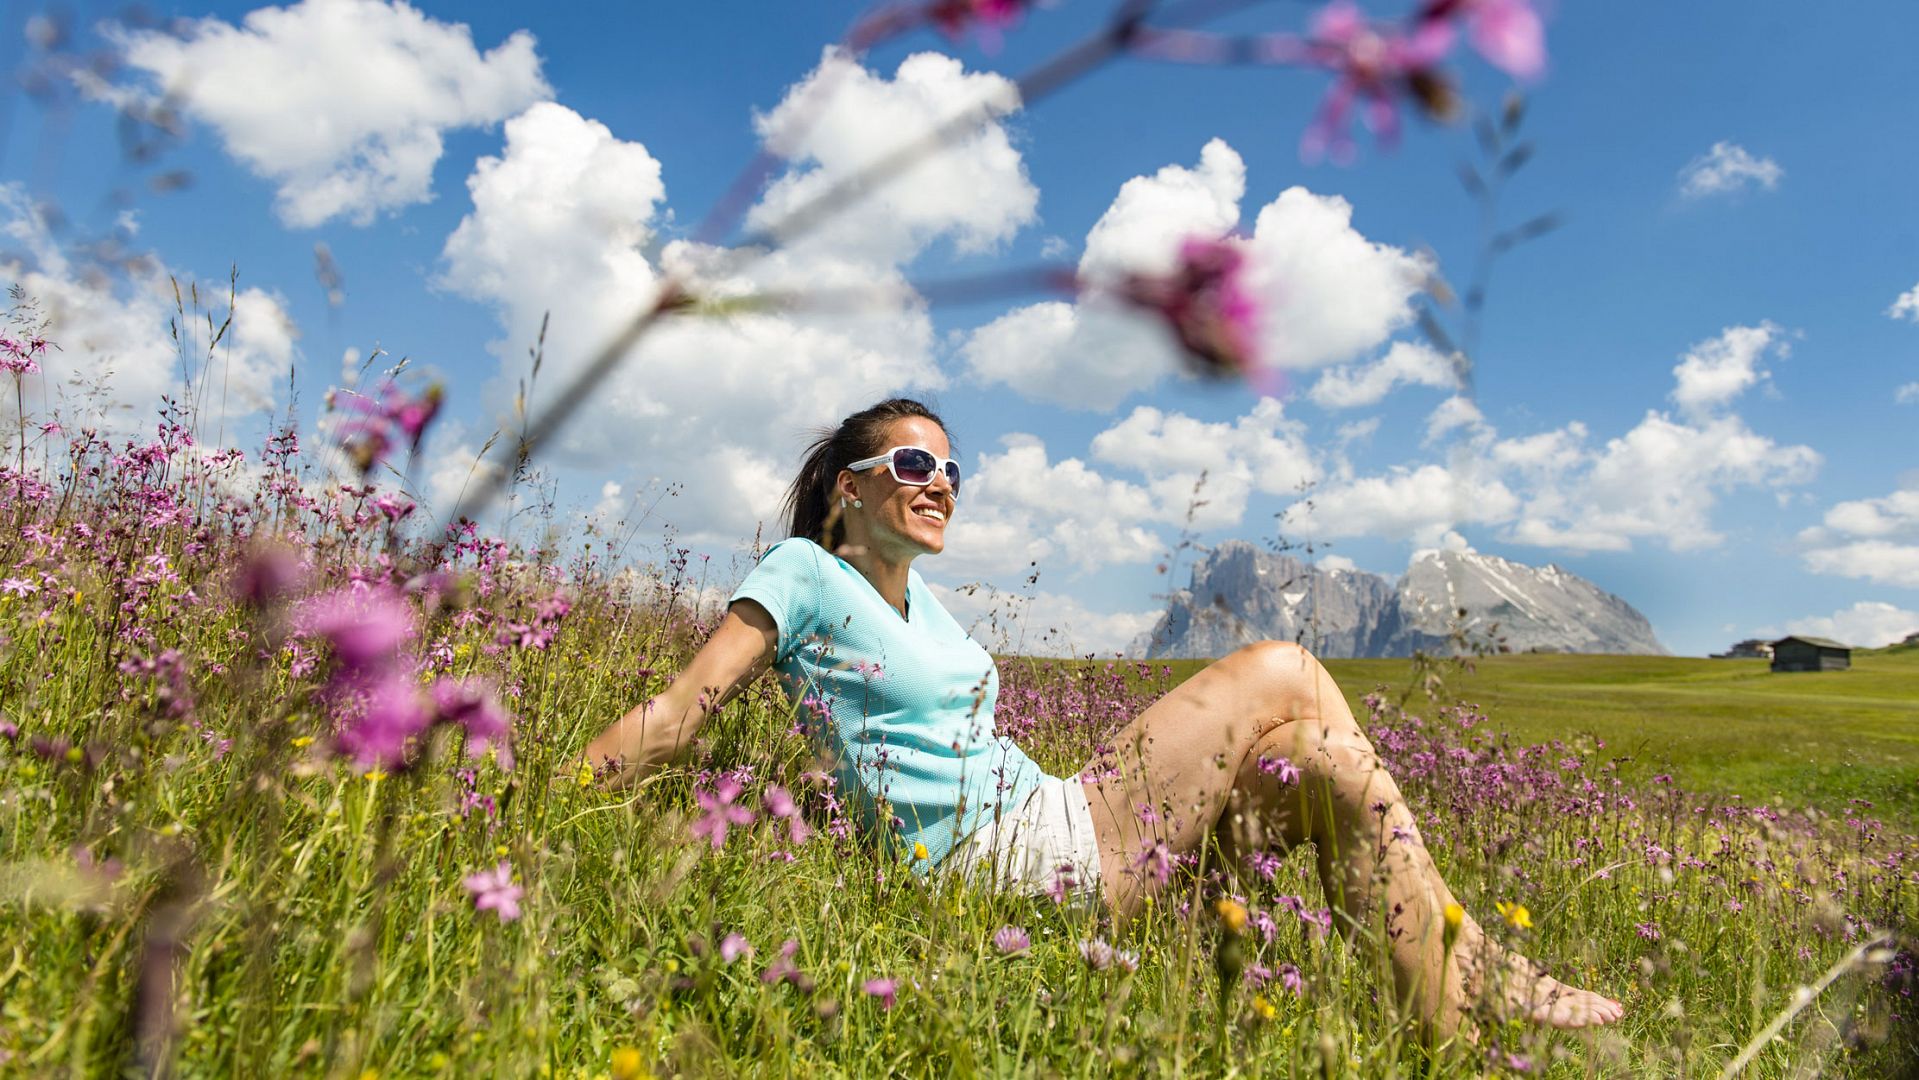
{"points": [[1287, 772], [366, 629], [1509, 34], [987, 17], [471, 704], [733, 946], [19, 586], [1208, 306], [1290, 979], [780, 806], [494, 890], [390, 717], [1375, 63], [721, 812], [886, 990]]}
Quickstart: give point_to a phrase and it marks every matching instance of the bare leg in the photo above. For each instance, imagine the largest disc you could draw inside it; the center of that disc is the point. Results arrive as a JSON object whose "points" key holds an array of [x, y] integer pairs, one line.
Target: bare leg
{"points": [[1193, 759]]}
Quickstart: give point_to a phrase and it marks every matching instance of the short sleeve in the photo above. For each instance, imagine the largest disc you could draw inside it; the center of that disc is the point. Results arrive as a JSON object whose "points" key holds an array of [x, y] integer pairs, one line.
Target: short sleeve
{"points": [[787, 584]]}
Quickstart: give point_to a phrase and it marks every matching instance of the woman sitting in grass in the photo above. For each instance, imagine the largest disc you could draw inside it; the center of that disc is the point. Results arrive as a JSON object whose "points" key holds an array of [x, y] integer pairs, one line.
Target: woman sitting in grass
{"points": [[1259, 749]]}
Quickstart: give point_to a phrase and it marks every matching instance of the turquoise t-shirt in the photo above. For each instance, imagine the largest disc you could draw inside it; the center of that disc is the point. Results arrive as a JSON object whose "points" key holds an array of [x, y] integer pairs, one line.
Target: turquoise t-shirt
{"points": [[909, 700]]}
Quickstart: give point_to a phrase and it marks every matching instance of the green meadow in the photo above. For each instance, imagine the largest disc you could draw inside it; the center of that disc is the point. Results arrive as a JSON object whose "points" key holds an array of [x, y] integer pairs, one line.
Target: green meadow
{"points": [[1793, 740]]}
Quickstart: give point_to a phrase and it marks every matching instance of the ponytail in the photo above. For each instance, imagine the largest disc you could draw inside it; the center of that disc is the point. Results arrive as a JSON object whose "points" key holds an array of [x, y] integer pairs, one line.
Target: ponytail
{"points": [[810, 505]]}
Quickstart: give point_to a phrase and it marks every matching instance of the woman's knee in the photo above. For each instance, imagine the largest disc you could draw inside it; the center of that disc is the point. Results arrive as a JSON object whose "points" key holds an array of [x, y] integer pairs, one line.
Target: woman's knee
{"points": [[1290, 677]]}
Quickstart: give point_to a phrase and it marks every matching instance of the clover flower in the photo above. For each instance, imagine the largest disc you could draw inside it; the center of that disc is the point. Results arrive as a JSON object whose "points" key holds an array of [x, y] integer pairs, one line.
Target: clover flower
{"points": [[1011, 939]]}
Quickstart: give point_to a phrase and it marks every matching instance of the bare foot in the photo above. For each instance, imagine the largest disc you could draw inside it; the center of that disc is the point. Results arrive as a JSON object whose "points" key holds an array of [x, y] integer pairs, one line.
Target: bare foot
{"points": [[1522, 988]]}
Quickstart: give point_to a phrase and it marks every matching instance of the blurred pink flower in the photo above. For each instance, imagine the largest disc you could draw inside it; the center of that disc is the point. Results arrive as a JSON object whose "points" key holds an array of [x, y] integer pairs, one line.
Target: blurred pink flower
{"points": [[780, 806], [471, 704], [1287, 772], [388, 717], [1509, 34], [366, 628], [1377, 64], [721, 812], [886, 990], [987, 18], [1206, 303], [733, 946], [368, 439], [494, 890]]}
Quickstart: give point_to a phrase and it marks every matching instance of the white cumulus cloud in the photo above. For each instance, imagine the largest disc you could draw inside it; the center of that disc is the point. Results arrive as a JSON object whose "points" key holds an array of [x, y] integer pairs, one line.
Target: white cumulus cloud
{"points": [[1726, 168], [1868, 624], [1659, 481], [1023, 507], [1407, 363], [1421, 504], [1042, 623], [115, 358], [562, 223], [1715, 372], [1873, 539], [843, 118], [1326, 292], [341, 103], [1261, 451], [1906, 306]]}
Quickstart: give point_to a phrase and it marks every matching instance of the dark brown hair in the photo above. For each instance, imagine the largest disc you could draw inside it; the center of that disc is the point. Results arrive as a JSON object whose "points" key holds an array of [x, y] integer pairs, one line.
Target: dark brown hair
{"points": [[809, 502]]}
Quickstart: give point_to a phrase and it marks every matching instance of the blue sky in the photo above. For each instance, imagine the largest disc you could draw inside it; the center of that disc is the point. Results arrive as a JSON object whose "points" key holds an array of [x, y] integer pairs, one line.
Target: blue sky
{"points": [[1698, 393]]}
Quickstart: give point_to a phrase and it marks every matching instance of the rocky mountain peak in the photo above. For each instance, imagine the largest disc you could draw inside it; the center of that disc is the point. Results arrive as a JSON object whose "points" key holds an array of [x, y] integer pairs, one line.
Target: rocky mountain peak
{"points": [[1240, 593]]}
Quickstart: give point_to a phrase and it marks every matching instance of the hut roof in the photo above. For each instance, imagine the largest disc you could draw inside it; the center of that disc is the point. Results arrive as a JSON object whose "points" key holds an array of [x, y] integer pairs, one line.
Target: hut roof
{"points": [[1823, 643]]}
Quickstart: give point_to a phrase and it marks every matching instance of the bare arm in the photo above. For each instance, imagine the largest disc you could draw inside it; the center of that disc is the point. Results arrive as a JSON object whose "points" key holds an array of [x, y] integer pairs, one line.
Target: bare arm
{"points": [[657, 729]]}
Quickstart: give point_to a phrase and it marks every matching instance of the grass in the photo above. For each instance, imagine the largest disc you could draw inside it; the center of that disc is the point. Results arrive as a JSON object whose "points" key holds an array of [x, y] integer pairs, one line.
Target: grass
{"points": [[195, 874], [1811, 739]]}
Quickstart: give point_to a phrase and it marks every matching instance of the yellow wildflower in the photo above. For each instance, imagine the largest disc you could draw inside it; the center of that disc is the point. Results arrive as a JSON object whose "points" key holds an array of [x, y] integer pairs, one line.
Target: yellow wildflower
{"points": [[374, 775], [585, 775], [301, 742], [500, 850], [1264, 1008], [1455, 915], [920, 852], [1515, 914], [627, 1064], [1232, 914]]}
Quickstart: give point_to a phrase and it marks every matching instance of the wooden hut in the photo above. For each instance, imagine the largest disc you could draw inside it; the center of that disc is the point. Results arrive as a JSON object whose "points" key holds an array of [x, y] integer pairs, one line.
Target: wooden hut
{"points": [[1801, 653]]}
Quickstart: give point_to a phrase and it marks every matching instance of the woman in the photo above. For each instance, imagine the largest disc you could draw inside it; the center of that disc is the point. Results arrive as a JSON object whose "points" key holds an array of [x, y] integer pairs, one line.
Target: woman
{"points": [[902, 700]]}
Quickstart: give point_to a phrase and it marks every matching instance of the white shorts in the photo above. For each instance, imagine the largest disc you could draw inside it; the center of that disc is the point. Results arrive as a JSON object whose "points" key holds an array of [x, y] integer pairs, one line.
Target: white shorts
{"points": [[1046, 845]]}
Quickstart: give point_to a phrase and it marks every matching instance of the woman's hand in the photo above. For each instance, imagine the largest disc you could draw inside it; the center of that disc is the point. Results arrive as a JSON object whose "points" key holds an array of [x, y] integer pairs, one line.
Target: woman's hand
{"points": [[659, 728]]}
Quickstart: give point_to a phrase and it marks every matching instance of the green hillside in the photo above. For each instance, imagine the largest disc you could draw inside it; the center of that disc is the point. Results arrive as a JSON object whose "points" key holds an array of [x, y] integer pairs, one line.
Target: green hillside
{"points": [[1715, 725]]}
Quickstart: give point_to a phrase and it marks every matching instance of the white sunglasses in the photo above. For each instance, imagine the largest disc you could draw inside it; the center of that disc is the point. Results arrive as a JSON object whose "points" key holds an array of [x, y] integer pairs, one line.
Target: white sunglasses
{"points": [[915, 466]]}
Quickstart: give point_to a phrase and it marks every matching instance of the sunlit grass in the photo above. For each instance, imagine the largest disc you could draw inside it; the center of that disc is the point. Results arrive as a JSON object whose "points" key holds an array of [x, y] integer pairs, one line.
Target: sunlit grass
{"points": [[186, 822]]}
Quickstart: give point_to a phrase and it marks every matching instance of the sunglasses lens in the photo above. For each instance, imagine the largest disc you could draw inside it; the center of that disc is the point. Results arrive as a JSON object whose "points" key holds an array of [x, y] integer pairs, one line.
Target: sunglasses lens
{"points": [[914, 466]]}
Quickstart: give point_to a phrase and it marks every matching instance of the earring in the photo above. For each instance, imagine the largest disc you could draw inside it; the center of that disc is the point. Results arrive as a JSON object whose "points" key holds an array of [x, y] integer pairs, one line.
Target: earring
{"points": [[858, 503]]}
